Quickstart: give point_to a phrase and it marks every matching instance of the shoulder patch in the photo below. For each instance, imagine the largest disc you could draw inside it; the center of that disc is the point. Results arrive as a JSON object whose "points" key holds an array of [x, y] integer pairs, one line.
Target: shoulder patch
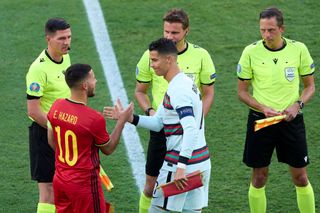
{"points": [[212, 76], [34, 86], [312, 66], [239, 68]]}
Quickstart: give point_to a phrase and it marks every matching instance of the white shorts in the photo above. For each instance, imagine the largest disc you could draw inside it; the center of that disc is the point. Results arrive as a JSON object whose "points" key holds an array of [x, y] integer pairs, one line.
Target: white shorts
{"points": [[191, 200]]}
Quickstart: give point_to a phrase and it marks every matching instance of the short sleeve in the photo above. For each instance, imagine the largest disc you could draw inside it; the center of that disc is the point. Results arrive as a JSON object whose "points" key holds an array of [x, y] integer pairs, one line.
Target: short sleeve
{"points": [[36, 82], [143, 71], [244, 70], [307, 66], [99, 132], [208, 71]]}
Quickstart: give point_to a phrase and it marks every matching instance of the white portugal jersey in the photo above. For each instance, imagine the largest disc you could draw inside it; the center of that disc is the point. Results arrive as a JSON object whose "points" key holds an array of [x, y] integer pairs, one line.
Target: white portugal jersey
{"points": [[181, 116]]}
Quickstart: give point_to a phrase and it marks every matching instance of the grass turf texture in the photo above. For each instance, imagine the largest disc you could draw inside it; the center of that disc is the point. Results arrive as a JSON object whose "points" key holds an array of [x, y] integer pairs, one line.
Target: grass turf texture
{"points": [[224, 28]]}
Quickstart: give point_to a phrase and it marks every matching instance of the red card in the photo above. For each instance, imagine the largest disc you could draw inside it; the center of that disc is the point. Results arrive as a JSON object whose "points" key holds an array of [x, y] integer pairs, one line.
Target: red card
{"points": [[194, 181]]}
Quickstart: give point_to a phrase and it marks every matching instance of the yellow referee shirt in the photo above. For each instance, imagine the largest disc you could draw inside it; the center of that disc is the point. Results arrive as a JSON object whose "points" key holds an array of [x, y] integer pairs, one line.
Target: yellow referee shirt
{"points": [[275, 75], [45, 79], [194, 61]]}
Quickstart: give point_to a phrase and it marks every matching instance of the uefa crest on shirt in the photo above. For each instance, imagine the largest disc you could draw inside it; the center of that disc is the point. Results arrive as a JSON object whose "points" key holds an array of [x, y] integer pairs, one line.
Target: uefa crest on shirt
{"points": [[289, 73]]}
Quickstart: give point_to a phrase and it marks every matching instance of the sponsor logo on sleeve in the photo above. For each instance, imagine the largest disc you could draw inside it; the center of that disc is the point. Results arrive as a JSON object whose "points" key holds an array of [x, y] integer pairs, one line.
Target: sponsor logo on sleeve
{"points": [[212, 76], [289, 73], [34, 87], [312, 66]]}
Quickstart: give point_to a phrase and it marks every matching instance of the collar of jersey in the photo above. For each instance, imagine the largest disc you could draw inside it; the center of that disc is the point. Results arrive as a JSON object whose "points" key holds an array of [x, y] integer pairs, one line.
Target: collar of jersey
{"points": [[185, 49], [281, 48], [47, 54], [75, 102]]}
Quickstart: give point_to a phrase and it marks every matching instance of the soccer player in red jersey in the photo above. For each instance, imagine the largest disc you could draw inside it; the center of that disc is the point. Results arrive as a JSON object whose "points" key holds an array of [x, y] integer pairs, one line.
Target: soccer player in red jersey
{"points": [[76, 133]]}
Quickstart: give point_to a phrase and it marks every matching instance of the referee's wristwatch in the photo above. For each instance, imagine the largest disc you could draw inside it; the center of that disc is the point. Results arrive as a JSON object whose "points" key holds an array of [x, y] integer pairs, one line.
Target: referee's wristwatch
{"points": [[301, 104]]}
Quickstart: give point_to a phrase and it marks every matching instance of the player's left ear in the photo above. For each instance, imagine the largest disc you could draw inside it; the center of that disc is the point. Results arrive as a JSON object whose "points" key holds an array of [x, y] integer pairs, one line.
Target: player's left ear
{"points": [[172, 59], [84, 85], [47, 38]]}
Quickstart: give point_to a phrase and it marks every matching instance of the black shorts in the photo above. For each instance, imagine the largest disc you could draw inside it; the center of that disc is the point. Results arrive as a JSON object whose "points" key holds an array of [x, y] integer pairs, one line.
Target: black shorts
{"points": [[41, 154], [288, 138], [157, 150]]}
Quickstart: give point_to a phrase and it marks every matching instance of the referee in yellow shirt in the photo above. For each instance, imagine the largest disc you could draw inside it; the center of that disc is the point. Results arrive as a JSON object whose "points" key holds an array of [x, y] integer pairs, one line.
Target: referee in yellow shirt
{"points": [[45, 83], [196, 63], [274, 67]]}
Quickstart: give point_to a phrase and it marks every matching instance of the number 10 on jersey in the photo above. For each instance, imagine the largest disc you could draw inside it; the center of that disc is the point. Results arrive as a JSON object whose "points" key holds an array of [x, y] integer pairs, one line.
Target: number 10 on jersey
{"points": [[64, 155]]}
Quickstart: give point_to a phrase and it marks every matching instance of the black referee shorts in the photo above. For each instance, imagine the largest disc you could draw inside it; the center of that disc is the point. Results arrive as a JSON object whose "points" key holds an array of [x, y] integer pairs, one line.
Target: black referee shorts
{"points": [[288, 138], [157, 150], [41, 154]]}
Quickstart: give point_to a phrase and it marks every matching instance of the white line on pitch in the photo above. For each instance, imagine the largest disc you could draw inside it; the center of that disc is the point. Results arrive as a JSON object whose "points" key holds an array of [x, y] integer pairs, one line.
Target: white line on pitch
{"points": [[115, 85]]}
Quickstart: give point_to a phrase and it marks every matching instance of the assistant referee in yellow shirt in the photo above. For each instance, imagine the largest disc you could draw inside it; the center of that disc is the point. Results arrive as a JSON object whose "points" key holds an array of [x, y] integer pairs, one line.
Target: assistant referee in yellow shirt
{"points": [[274, 67], [45, 83]]}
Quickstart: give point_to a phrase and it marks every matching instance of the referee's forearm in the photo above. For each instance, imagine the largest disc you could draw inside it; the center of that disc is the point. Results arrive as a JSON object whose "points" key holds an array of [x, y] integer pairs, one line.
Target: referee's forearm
{"points": [[143, 100], [245, 97], [40, 119], [309, 89]]}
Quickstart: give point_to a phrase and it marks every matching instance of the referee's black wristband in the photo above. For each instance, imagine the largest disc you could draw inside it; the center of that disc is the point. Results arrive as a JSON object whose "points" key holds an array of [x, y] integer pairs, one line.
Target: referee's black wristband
{"points": [[183, 160], [135, 120], [147, 112]]}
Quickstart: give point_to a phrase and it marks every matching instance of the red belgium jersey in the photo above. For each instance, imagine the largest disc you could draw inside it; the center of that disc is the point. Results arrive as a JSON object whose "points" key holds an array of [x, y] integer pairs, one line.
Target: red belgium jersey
{"points": [[78, 131]]}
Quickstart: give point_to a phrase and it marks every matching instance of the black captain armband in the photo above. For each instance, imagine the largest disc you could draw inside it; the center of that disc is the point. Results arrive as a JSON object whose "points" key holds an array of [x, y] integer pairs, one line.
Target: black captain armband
{"points": [[135, 120]]}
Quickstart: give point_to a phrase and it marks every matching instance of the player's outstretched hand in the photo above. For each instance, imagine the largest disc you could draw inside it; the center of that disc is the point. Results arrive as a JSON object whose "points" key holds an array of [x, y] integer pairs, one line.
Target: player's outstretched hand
{"points": [[117, 112], [126, 114], [111, 112]]}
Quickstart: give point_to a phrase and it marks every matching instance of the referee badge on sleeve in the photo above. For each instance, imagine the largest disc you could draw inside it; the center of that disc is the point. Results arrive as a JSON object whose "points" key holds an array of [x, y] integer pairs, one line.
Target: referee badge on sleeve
{"points": [[239, 68], [34, 87], [289, 73]]}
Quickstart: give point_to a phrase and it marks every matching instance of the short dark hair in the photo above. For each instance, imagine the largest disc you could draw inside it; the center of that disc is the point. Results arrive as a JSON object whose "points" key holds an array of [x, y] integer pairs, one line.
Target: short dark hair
{"points": [[273, 12], [163, 46], [55, 24], [177, 15], [76, 73]]}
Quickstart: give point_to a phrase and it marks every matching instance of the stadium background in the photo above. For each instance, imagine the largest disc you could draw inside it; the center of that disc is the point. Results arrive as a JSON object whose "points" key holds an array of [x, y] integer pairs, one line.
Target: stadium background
{"points": [[224, 28]]}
